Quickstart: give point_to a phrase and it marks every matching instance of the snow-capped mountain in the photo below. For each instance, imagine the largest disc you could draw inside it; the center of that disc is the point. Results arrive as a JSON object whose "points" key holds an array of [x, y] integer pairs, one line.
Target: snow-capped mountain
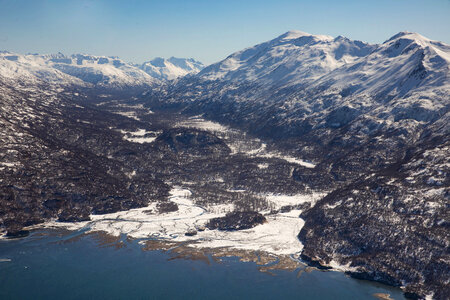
{"points": [[406, 63], [294, 57], [31, 69], [100, 70], [90, 70], [77, 69], [172, 68], [314, 81]]}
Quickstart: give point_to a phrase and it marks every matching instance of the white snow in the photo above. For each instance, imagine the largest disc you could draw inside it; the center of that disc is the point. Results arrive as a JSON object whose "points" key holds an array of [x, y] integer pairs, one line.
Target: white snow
{"points": [[278, 235], [293, 57], [171, 68], [128, 114], [262, 152], [240, 146], [140, 136], [283, 200], [429, 296], [82, 70], [199, 123], [8, 164], [391, 67], [263, 166], [344, 268], [291, 160]]}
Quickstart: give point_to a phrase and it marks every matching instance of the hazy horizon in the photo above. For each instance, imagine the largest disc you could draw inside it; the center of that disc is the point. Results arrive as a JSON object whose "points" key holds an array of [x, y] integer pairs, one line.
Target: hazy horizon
{"points": [[138, 31]]}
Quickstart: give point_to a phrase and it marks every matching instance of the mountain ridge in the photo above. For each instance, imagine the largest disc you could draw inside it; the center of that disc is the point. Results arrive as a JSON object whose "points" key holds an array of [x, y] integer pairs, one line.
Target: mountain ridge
{"points": [[299, 58], [92, 70]]}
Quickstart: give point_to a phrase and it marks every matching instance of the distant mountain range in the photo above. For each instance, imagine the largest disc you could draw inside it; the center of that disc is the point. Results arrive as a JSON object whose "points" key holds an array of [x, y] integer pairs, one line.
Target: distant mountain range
{"points": [[89, 70], [295, 59]]}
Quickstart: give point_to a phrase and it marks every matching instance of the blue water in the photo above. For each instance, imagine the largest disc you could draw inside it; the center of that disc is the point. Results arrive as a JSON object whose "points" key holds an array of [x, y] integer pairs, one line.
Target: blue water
{"points": [[42, 267]]}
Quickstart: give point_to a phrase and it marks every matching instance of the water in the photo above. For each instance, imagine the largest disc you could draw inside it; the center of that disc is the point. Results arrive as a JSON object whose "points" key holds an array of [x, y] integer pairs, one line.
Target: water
{"points": [[43, 267]]}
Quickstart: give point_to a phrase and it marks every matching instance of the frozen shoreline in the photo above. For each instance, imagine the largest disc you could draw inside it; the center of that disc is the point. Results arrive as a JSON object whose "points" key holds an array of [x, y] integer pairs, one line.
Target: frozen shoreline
{"points": [[277, 236]]}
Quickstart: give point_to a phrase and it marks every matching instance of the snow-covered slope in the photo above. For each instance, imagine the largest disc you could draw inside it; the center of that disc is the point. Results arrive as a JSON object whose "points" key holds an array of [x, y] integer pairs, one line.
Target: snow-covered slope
{"points": [[89, 70], [306, 82], [404, 63], [101, 70], [78, 69], [294, 57], [168, 69], [31, 69]]}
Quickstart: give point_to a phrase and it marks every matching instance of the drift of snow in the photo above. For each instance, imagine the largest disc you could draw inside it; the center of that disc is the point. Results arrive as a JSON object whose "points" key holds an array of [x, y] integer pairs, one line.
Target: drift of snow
{"points": [[140, 136]]}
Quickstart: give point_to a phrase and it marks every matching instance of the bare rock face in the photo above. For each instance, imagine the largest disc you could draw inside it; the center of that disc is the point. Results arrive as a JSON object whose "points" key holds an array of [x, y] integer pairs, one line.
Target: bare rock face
{"points": [[236, 221]]}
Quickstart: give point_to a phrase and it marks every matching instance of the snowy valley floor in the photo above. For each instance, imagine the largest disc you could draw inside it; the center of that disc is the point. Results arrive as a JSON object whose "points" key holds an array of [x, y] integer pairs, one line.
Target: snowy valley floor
{"points": [[273, 242]]}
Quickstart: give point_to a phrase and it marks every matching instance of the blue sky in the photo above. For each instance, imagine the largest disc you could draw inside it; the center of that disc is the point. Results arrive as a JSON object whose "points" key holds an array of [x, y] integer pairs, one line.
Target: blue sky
{"points": [[138, 30]]}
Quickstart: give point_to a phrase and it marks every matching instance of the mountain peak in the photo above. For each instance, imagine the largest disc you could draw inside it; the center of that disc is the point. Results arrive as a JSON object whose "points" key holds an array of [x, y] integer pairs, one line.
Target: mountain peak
{"points": [[295, 34], [292, 57], [408, 35], [158, 62], [405, 41]]}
